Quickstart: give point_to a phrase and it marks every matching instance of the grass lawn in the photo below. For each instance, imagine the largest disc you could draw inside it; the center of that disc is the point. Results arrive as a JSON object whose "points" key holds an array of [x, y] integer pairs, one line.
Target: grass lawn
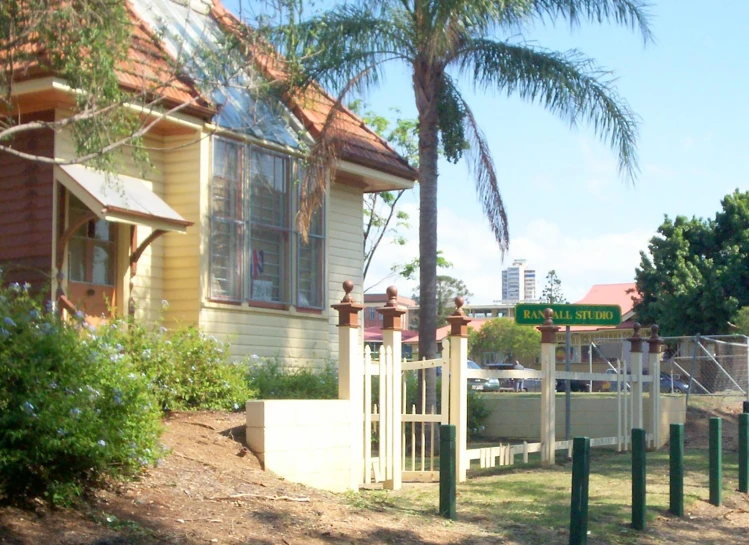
{"points": [[531, 504]]}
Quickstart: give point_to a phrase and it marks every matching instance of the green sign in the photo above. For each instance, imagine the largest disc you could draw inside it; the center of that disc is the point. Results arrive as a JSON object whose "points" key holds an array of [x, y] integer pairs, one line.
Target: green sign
{"points": [[533, 314]]}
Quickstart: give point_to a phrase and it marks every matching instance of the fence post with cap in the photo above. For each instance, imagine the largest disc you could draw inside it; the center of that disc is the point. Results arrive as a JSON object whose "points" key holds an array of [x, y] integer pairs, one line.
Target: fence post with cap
{"points": [[458, 392], [350, 377], [548, 388]]}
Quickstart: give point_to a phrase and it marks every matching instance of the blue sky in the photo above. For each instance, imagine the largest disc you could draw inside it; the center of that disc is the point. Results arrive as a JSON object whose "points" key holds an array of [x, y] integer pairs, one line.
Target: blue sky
{"points": [[568, 208]]}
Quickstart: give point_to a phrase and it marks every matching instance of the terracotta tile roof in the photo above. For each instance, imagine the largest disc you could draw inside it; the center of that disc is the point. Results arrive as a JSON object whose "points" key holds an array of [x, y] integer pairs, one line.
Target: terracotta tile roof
{"points": [[359, 144], [610, 294], [148, 68]]}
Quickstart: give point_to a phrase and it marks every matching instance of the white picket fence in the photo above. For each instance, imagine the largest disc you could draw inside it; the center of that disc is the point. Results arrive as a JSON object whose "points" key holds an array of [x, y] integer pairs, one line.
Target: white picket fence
{"points": [[403, 433], [399, 433], [506, 454]]}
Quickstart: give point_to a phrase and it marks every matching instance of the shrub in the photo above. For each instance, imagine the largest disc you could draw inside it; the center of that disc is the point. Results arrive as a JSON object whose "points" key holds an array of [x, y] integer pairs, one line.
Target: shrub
{"points": [[185, 368], [73, 408], [478, 412], [271, 380]]}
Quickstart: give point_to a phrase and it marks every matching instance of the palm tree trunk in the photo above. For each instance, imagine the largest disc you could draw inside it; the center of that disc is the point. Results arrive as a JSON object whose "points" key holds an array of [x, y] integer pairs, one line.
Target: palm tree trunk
{"points": [[426, 85]]}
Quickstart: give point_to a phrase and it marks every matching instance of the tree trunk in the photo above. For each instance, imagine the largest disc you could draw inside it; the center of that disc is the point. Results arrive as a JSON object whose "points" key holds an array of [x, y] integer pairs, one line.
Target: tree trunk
{"points": [[426, 82]]}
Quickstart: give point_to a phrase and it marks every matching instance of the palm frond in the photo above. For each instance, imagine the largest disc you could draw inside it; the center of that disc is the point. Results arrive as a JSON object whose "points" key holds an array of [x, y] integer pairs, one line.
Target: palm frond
{"points": [[481, 166], [322, 160], [568, 84], [344, 43], [628, 13]]}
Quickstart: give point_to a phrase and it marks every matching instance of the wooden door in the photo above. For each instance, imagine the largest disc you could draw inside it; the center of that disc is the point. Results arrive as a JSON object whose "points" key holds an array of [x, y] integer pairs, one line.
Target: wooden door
{"points": [[92, 266]]}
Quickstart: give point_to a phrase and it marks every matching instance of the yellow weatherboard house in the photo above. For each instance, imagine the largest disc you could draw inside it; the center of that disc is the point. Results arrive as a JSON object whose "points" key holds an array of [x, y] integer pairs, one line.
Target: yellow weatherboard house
{"points": [[207, 236]]}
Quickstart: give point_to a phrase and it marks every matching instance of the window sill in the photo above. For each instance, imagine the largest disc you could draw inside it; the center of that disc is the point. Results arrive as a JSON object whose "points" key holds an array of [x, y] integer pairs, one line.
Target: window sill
{"points": [[273, 309], [309, 310]]}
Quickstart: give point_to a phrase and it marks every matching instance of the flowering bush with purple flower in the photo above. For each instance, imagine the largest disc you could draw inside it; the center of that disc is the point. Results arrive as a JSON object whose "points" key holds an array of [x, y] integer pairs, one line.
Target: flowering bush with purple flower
{"points": [[186, 369], [71, 414]]}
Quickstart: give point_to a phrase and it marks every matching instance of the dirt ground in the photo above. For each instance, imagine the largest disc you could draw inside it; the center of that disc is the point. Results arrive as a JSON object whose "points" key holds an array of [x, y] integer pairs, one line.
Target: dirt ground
{"points": [[210, 489]]}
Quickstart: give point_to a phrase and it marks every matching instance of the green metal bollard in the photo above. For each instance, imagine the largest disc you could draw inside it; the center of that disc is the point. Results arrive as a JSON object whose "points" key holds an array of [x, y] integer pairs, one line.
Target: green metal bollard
{"points": [[716, 462], [746, 406], [580, 480], [676, 473], [448, 489], [638, 478], [744, 453]]}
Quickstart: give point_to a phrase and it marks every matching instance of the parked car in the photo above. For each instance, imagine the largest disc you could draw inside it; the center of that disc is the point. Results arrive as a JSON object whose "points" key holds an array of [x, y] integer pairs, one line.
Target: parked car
{"points": [[607, 385], [531, 384], [482, 384], [514, 384], [575, 385], [673, 384]]}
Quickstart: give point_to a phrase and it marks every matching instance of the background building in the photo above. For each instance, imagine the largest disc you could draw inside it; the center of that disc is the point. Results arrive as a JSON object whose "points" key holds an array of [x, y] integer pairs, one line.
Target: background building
{"points": [[518, 282]]}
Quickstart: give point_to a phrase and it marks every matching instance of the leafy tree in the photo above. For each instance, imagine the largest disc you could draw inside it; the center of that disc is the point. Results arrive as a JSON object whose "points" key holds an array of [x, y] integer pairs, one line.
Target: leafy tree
{"points": [[87, 44], [448, 288], [695, 276], [741, 321], [410, 270], [552, 292], [54, 36], [347, 47], [502, 338]]}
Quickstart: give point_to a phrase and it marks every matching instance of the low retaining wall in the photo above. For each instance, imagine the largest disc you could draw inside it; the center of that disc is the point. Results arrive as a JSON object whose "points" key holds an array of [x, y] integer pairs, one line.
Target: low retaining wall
{"points": [[305, 441], [518, 416]]}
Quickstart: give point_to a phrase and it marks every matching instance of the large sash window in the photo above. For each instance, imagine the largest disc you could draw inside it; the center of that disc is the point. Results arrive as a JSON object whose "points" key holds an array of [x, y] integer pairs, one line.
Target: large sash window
{"points": [[256, 254]]}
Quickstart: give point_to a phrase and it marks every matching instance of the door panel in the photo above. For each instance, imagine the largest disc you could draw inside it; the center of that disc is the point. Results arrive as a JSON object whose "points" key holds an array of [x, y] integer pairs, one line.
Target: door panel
{"points": [[92, 266]]}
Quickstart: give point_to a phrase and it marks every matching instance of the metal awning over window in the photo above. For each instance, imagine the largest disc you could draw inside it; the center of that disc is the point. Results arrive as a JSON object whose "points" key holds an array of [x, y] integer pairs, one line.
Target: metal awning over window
{"points": [[120, 198]]}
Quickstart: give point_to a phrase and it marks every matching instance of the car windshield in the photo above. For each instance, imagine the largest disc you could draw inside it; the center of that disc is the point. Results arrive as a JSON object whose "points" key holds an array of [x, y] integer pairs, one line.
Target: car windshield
{"points": [[473, 365]]}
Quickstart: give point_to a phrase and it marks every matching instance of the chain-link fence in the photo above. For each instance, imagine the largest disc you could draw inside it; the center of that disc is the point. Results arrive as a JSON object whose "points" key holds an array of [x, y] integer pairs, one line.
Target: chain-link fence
{"points": [[709, 365]]}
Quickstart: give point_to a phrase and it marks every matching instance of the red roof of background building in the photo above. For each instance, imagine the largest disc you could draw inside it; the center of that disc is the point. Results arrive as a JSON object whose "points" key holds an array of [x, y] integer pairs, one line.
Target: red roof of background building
{"points": [[370, 298], [610, 294], [374, 335]]}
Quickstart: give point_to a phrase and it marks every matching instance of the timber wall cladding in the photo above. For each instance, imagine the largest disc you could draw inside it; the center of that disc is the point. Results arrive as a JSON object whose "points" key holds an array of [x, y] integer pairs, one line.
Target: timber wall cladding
{"points": [[26, 208]]}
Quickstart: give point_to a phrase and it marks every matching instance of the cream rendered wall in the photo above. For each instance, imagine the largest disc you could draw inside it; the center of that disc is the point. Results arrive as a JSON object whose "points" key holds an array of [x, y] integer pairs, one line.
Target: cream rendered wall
{"points": [[149, 282], [519, 416], [304, 441]]}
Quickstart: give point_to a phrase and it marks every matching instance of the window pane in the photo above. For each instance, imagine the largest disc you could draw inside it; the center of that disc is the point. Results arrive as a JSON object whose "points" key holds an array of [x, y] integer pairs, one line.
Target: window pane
{"points": [[91, 250], [226, 250], [316, 226], [227, 180], [310, 272], [77, 260], [269, 203], [268, 264], [102, 271]]}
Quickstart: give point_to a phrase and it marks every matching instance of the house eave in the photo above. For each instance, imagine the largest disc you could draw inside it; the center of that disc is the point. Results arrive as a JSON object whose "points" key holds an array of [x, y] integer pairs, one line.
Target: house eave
{"points": [[369, 179]]}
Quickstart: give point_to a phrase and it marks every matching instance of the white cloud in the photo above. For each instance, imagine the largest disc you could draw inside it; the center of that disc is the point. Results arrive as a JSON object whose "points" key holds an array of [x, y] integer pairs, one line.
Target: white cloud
{"points": [[469, 244]]}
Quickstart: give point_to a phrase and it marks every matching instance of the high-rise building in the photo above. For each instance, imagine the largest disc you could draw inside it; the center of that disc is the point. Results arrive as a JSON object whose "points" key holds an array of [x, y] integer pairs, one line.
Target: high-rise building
{"points": [[518, 282]]}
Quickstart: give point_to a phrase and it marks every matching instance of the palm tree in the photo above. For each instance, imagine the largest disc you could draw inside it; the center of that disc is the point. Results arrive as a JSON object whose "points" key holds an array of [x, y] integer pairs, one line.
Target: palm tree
{"points": [[443, 42]]}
